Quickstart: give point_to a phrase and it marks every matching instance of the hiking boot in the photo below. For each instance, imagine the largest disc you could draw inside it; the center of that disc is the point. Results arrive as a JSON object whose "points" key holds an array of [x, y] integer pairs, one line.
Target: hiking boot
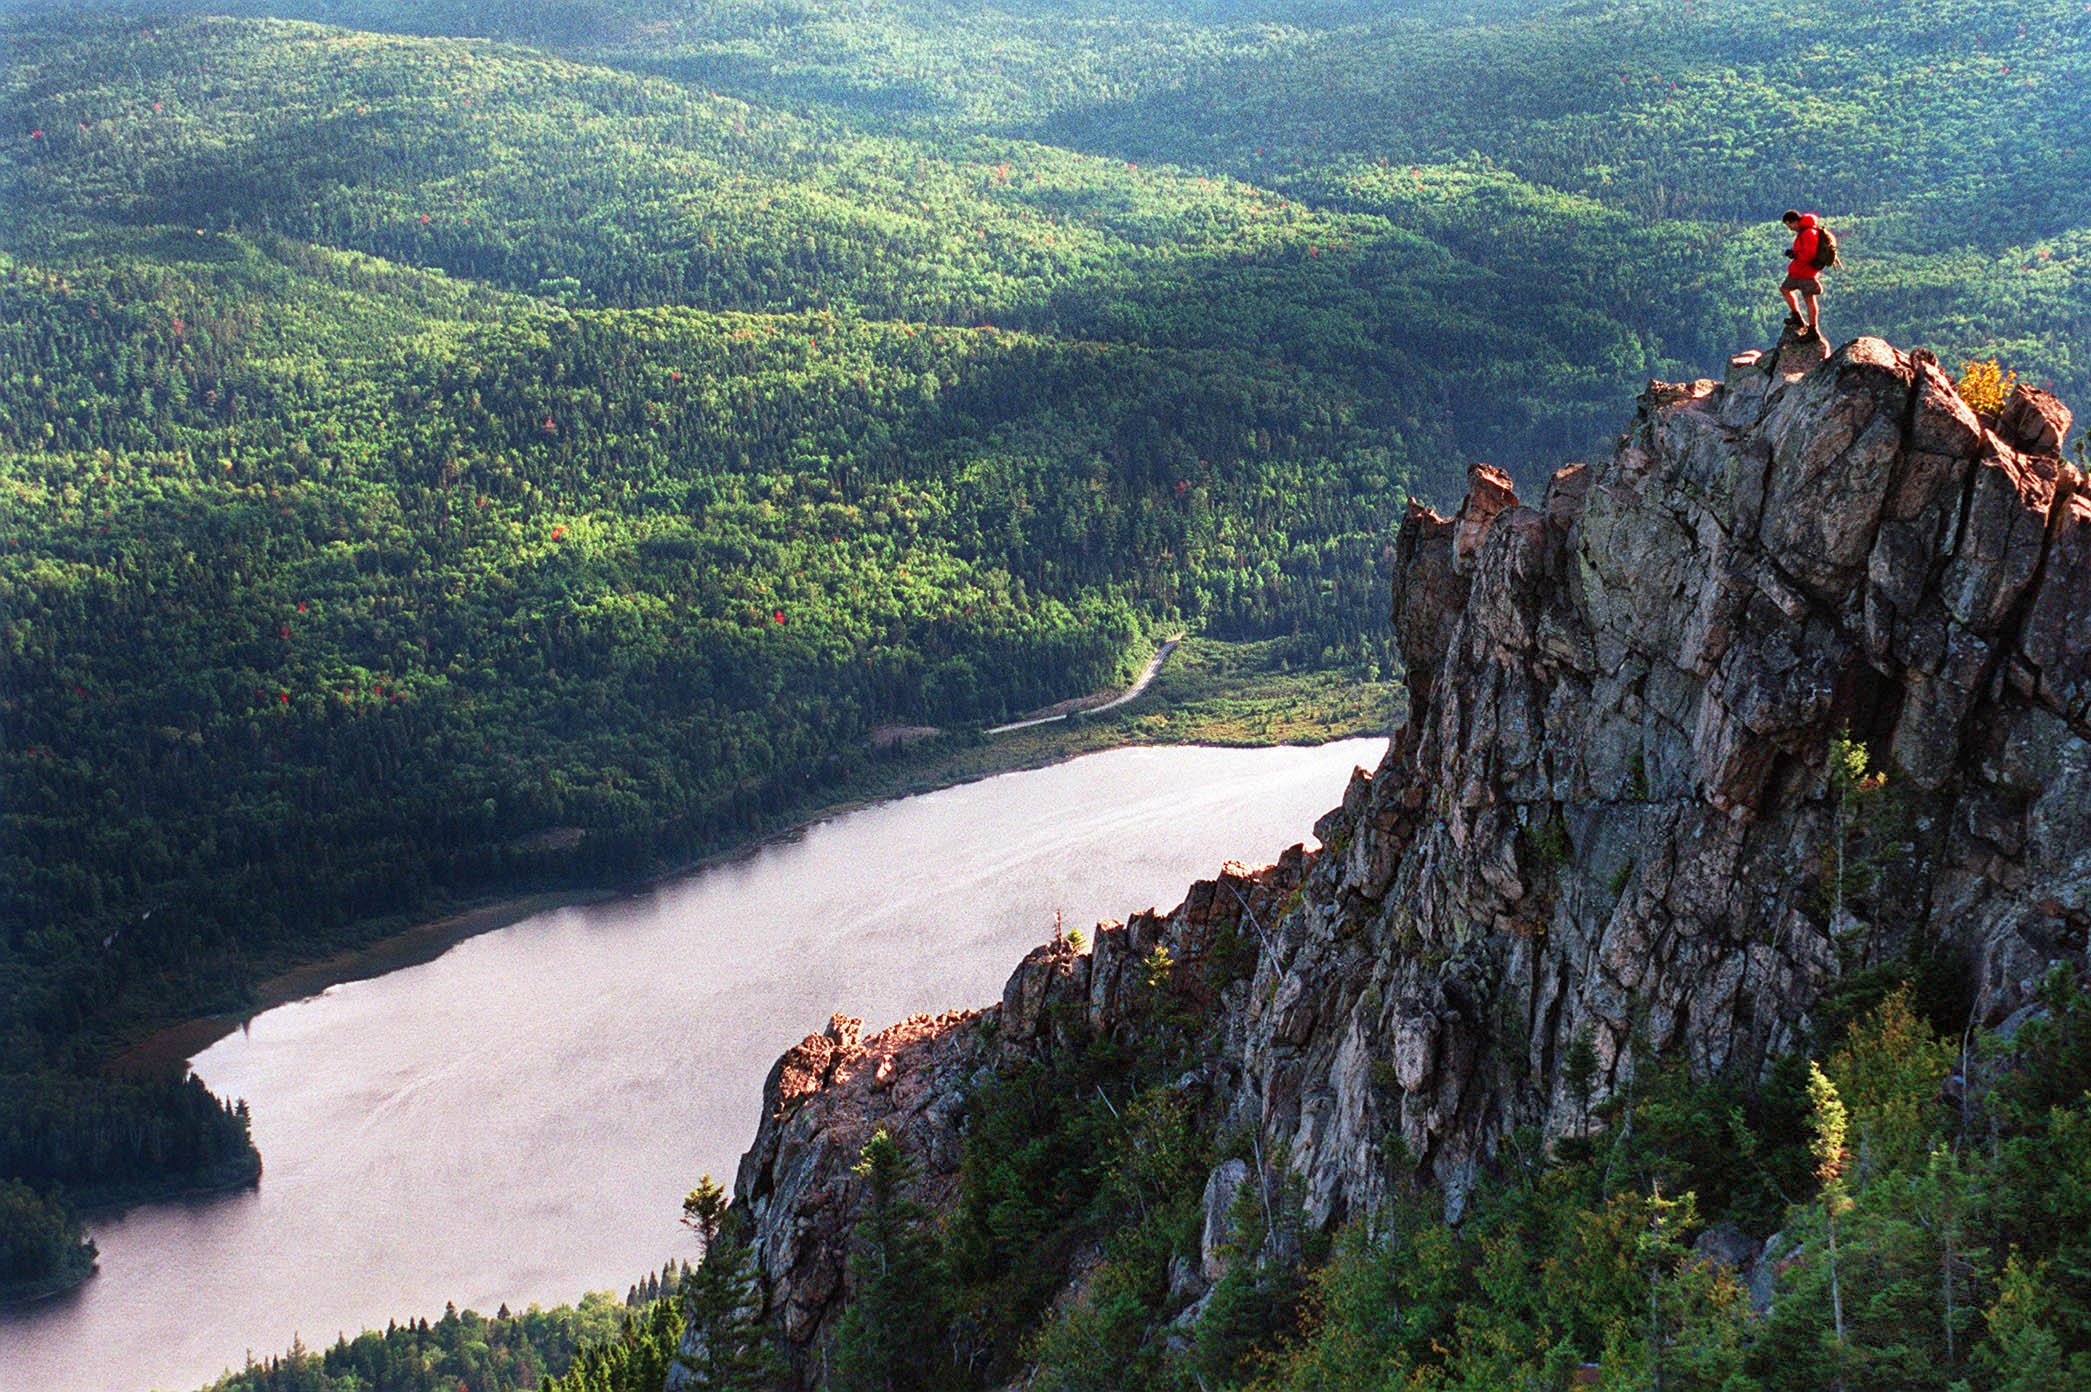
{"points": [[1794, 321], [1809, 333]]}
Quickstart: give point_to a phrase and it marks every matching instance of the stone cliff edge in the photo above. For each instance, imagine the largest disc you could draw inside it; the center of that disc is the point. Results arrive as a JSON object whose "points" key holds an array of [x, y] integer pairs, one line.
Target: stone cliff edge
{"points": [[1607, 815]]}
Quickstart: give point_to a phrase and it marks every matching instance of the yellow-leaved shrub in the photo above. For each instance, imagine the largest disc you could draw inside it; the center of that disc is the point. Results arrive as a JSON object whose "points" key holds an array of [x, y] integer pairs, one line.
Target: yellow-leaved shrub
{"points": [[1985, 385]]}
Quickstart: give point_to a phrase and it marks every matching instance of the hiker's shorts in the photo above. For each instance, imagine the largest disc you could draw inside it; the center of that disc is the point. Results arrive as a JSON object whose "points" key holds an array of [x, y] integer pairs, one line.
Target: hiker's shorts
{"points": [[1806, 285]]}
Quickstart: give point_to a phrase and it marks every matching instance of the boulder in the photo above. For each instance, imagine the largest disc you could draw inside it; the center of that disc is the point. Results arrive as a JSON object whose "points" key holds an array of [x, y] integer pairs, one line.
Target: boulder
{"points": [[2034, 421]]}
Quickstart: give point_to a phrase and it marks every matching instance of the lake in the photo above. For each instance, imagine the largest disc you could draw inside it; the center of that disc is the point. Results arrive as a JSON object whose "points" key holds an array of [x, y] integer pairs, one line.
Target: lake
{"points": [[519, 1119]]}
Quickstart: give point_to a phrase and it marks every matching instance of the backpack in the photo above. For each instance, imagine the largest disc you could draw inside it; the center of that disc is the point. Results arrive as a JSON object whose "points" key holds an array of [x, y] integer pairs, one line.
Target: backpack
{"points": [[1825, 249]]}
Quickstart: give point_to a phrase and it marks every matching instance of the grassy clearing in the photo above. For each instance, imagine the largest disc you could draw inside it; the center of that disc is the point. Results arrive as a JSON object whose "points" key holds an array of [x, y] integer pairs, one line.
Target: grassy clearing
{"points": [[1209, 692], [1239, 694]]}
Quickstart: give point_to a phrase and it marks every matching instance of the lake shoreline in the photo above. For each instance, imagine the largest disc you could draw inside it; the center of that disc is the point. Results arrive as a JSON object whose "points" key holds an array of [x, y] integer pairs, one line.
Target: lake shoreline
{"points": [[429, 939], [173, 1045], [1205, 690], [423, 942]]}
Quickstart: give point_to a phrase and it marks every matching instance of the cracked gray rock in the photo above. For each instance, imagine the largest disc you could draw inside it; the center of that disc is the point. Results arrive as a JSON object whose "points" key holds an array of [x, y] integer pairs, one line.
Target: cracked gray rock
{"points": [[1606, 814]]}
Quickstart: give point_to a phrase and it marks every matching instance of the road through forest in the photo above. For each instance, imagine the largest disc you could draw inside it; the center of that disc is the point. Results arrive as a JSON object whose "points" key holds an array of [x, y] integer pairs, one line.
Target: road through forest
{"points": [[1140, 684]]}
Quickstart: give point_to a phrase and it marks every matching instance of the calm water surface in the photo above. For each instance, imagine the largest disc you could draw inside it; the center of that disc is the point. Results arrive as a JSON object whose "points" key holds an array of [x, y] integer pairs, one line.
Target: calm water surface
{"points": [[518, 1120]]}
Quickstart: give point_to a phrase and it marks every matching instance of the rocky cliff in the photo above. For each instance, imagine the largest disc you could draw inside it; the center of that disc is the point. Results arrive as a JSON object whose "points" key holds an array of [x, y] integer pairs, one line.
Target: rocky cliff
{"points": [[1610, 814], [828, 1094]]}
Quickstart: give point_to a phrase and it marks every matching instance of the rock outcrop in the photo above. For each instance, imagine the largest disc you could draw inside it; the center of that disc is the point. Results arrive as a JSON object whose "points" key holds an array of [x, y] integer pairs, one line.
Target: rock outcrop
{"points": [[828, 1094], [1609, 814]]}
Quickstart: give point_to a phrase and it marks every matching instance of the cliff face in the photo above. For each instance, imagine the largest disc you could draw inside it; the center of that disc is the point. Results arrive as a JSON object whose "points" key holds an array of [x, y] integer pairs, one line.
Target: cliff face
{"points": [[1609, 814]]}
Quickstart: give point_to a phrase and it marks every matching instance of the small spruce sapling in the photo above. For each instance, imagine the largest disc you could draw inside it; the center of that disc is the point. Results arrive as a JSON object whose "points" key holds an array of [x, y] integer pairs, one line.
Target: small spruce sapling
{"points": [[891, 1335], [1828, 1121], [703, 1209]]}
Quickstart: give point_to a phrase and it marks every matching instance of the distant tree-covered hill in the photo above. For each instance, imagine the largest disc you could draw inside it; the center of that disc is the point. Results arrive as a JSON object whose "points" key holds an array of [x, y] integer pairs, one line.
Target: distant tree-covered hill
{"points": [[1630, 156]]}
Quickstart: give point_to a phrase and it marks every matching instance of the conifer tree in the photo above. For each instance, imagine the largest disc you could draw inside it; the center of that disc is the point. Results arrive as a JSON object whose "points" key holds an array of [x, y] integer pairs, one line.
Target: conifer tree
{"points": [[635, 1361], [725, 1347], [2023, 1353], [890, 1335], [1579, 1074]]}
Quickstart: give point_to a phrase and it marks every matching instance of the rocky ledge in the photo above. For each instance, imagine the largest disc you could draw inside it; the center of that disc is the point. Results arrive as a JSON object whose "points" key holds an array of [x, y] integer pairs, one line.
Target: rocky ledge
{"points": [[1610, 814], [830, 1092]]}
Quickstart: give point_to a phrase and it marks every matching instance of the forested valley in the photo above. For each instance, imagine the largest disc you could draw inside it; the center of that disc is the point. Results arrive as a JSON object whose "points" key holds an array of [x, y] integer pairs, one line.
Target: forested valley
{"points": [[450, 448]]}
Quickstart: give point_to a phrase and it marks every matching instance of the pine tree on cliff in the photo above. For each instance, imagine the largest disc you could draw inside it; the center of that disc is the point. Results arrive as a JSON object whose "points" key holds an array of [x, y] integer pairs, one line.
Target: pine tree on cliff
{"points": [[890, 1337], [725, 1346]]}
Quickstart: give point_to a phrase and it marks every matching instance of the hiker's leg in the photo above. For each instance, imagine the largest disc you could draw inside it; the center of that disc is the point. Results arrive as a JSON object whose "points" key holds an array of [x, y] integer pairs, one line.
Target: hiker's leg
{"points": [[1793, 307], [1814, 310]]}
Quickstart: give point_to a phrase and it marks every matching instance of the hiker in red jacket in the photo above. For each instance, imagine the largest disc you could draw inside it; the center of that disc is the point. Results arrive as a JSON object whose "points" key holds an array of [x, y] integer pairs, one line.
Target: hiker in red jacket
{"points": [[1804, 267]]}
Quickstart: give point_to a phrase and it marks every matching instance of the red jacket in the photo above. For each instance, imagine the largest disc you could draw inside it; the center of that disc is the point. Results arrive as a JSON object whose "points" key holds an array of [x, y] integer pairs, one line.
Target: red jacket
{"points": [[1802, 252]]}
